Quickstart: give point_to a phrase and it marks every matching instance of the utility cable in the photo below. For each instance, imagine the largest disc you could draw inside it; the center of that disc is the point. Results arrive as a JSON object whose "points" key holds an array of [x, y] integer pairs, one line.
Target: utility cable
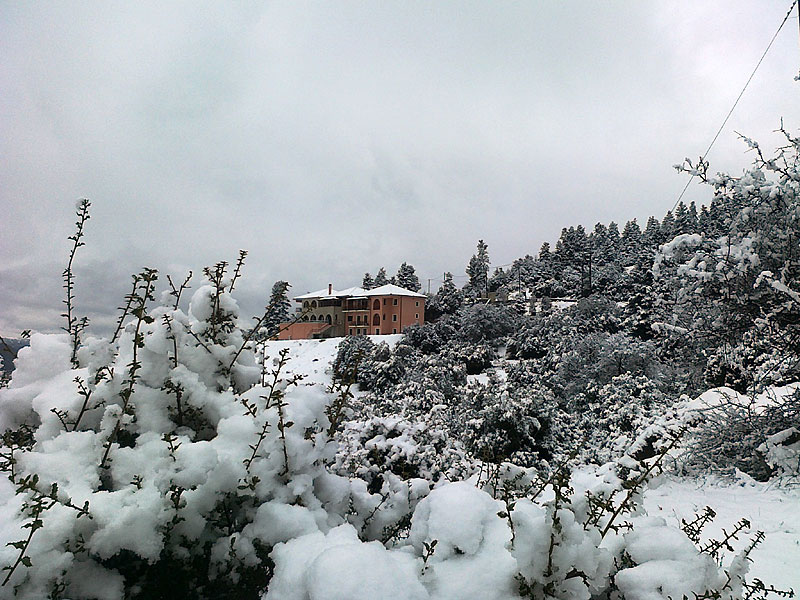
{"points": [[730, 112]]}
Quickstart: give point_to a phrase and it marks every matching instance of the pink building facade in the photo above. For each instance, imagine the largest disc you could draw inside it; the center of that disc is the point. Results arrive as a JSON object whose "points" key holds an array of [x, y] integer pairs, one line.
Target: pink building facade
{"points": [[383, 310]]}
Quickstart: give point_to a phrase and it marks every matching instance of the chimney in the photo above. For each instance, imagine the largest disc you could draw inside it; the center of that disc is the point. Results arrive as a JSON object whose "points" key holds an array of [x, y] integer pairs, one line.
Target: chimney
{"points": [[330, 289]]}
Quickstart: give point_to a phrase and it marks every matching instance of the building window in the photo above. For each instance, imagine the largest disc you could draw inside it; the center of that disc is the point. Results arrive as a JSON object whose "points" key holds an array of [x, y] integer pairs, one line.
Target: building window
{"points": [[351, 331], [350, 318], [394, 330], [417, 303], [416, 316], [384, 316], [376, 305], [313, 304], [376, 319], [394, 301], [384, 301], [394, 318], [377, 331]]}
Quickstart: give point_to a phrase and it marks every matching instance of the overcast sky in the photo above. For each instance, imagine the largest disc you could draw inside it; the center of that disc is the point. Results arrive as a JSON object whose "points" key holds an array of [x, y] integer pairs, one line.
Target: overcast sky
{"points": [[332, 138]]}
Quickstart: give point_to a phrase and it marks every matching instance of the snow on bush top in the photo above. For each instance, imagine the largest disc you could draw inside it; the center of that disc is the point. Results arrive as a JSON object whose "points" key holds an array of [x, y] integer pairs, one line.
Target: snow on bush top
{"points": [[169, 461]]}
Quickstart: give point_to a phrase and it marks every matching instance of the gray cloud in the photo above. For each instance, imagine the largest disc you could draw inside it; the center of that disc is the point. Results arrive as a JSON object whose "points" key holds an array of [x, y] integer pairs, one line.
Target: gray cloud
{"points": [[333, 138]]}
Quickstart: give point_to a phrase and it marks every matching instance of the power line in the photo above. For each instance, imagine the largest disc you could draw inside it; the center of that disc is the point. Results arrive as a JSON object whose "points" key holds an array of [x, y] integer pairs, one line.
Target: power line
{"points": [[739, 97]]}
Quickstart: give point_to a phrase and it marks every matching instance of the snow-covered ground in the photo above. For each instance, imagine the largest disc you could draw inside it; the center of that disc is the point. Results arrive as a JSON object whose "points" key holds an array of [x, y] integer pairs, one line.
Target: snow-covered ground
{"points": [[770, 508], [313, 357]]}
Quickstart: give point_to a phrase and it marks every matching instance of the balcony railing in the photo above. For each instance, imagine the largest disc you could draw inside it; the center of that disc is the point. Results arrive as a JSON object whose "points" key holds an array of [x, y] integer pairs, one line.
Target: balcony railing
{"points": [[352, 305]]}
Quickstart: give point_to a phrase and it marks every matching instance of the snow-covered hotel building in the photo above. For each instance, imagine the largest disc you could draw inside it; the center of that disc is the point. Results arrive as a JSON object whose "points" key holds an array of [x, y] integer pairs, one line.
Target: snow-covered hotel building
{"points": [[355, 311]]}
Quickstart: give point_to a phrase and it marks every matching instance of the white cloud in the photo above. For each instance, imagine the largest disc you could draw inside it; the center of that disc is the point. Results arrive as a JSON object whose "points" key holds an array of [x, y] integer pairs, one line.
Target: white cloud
{"points": [[331, 139]]}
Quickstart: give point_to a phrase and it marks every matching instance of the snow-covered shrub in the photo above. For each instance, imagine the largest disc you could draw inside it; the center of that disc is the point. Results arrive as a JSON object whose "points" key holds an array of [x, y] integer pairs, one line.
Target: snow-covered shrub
{"points": [[782, 452], [529, 341], [430, 337], [155, 467], [476, 358], [353, 350], [610, 417], [733, 431], [336, 565], [428, 381], [486, 322], [595, 313], [381, 369], [370, 448], [595, 358], [756, 362], [505, 423]]}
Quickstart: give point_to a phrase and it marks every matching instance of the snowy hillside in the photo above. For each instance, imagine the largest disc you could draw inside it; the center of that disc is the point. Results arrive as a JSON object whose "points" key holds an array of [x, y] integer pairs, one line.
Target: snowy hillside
{"points": [[770, 507], [257, 473]]}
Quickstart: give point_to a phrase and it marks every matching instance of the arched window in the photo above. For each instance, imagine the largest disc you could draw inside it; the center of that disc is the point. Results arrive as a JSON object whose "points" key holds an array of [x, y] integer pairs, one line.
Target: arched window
{"points": [[328, 319], [376, 305], [313, 304], [305, 304], [376, 320], [313, 317]]}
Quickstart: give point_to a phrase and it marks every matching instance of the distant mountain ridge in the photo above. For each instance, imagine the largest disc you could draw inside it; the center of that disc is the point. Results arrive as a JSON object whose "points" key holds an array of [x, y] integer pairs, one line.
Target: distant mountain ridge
{"points": [[9, 351]]}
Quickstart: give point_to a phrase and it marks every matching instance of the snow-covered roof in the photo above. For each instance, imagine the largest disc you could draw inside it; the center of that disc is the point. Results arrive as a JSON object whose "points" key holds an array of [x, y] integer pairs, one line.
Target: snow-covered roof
{"points": [[323, 293], [385, 290], [353, 291], [392, 290]]}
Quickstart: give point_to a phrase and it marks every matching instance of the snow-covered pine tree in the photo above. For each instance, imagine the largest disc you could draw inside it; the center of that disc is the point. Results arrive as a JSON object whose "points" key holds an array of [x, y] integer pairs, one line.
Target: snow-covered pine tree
{"points": [[692, 216], [631, 242], [501, 279], [367, 282], [574, 250], [278, 308], [599, 242], [685, 219], [651, 236], [614, 238], [478, 269], [407, 278], [668, 228], [544, 251], [380, 278], [448, 297]]}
